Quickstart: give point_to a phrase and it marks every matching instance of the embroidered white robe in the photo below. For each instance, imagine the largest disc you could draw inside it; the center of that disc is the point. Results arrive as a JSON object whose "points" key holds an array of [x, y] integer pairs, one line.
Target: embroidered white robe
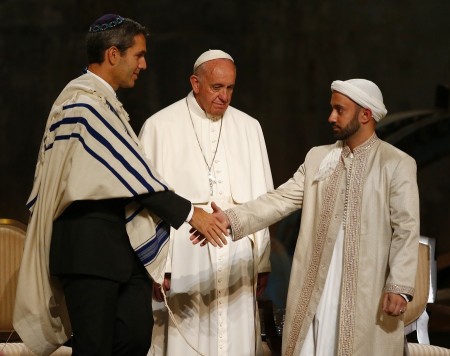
{"points": [[212, 290], [381, 203]]}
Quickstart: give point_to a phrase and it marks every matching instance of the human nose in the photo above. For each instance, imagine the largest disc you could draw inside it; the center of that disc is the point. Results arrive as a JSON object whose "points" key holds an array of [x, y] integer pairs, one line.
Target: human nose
{"points": [[223, 94], [332, 117], [143, 64]]}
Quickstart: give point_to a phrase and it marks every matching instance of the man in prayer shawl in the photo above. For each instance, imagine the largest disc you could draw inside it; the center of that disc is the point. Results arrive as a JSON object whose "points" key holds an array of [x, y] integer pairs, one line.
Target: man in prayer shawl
{"points": [[217, 152], [355, 261], [100, 213]]}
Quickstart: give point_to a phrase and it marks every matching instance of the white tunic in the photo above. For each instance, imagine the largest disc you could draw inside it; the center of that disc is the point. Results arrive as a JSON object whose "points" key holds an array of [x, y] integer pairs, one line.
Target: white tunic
{"points": [[212, 289], [321, 339], [322, 336]]}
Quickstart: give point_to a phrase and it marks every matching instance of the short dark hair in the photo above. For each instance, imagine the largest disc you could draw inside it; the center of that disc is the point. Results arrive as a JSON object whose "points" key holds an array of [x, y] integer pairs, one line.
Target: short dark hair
{"points": [[121, 36]]}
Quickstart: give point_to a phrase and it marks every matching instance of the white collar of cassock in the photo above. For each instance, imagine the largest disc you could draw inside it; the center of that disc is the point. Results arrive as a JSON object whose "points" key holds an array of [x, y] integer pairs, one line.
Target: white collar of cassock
{"points": [[195, 108]]}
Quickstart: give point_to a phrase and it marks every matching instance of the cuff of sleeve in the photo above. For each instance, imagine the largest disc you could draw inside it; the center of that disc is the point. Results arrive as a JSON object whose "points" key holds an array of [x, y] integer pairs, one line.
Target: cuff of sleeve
{"points": [[236, 228], [191, 213], [397, 289], [405, 297]]}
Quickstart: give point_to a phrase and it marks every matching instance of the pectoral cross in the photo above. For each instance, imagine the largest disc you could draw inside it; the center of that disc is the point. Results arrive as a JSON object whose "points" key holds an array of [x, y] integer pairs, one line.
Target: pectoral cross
{"points": [[212, 180]]}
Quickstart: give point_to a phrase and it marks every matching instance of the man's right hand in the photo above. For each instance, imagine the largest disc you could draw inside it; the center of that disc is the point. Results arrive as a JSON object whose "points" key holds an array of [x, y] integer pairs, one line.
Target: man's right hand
{"points": [[220, 215], [222, 218], [209, 227]]}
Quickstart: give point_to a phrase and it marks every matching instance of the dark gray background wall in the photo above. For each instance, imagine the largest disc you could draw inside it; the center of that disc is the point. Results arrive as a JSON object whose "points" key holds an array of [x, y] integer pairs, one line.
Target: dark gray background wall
{"points": [[287, 53]]}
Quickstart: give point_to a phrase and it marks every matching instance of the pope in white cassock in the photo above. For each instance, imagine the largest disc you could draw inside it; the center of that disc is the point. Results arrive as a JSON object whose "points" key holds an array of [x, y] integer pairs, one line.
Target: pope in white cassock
{"points": [[209, 151]]}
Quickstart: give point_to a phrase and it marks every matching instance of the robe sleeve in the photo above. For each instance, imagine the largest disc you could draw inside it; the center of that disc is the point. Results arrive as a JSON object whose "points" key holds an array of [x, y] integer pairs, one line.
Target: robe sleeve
{"points": [[404, 212], [268, 208]]}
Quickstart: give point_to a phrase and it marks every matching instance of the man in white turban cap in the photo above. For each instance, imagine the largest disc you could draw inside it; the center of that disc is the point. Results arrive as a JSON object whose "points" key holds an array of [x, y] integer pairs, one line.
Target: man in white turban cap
{"points": [[354, 266], [209, 151], [363, 92]]}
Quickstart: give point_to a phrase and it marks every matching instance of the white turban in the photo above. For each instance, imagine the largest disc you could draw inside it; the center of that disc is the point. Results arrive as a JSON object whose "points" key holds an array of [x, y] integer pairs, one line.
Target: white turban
{"points": [[363, 92], [209, 55]]}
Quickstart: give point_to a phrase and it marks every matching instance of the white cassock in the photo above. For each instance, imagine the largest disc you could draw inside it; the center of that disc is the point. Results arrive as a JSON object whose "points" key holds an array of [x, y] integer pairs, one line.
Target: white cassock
{"points": [[212, 293]]}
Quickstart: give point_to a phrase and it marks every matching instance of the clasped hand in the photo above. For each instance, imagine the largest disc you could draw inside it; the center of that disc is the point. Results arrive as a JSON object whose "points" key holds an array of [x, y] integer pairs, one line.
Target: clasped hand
{"points": [[216, 232]]}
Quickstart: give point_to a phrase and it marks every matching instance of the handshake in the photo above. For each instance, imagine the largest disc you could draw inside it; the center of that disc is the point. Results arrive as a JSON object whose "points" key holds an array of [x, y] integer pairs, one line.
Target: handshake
{"points": [[212, 228]]}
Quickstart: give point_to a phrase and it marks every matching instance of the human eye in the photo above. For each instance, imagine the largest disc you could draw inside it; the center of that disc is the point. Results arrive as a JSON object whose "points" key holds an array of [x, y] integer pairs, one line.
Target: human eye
{"points": [[339, 109], [140, 54]]}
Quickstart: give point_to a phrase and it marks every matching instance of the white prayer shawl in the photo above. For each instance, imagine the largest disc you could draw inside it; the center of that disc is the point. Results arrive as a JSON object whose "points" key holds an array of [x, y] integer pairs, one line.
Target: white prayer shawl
{"points": [[170, 143], [89, 152]]}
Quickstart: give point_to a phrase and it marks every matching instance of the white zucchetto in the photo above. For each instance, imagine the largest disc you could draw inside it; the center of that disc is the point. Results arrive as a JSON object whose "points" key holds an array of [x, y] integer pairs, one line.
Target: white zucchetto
{"points": [[363, 92], [209, 55]]}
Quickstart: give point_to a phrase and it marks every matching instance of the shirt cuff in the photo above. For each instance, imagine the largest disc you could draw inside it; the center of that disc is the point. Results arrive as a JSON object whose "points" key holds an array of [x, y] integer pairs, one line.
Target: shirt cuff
{"points": [[191, 212]]}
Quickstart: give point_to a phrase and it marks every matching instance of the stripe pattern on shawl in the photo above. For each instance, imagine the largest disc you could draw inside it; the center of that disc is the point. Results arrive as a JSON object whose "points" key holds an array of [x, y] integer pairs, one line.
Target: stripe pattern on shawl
{"points": [[104, 163], [89, 152]]}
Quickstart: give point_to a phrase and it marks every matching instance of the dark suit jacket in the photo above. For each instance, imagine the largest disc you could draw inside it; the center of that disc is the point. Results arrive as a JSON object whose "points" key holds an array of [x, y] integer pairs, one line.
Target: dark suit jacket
{"points": [[90, 236]]}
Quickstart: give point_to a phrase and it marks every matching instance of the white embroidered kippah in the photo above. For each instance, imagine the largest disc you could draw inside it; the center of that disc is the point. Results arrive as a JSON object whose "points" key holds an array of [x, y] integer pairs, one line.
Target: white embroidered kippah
{"points": [[363, 92], [209, 55]]}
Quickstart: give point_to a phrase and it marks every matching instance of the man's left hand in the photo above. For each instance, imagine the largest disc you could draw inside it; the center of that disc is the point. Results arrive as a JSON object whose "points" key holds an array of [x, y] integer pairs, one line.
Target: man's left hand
{"points": [[393, 304]]}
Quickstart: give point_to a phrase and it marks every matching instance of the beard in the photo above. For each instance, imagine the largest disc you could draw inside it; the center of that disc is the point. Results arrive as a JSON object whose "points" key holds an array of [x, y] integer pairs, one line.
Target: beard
{"points": [[347, 131]]}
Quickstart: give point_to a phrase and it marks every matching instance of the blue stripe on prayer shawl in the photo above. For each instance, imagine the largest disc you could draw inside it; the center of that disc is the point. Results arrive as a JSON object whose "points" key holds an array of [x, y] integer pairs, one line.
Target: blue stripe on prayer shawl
{"points": [[112, 109], [117, 134], [31, 202], [98, 158], [105, 143], [150, 250]]}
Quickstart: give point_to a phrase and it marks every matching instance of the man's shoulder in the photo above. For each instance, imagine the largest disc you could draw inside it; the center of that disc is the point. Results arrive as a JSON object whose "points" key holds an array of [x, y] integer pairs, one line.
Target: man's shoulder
{"points": [[171, 111], [82, 89], [390, 150], [236, 112], [323, 149], [316, 154], [240, 117]]}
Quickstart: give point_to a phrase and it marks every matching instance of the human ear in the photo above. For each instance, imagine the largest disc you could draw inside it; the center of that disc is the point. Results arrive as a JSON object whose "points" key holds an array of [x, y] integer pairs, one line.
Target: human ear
{"points": [[366, 116], [195, 83], [112, 55]]}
